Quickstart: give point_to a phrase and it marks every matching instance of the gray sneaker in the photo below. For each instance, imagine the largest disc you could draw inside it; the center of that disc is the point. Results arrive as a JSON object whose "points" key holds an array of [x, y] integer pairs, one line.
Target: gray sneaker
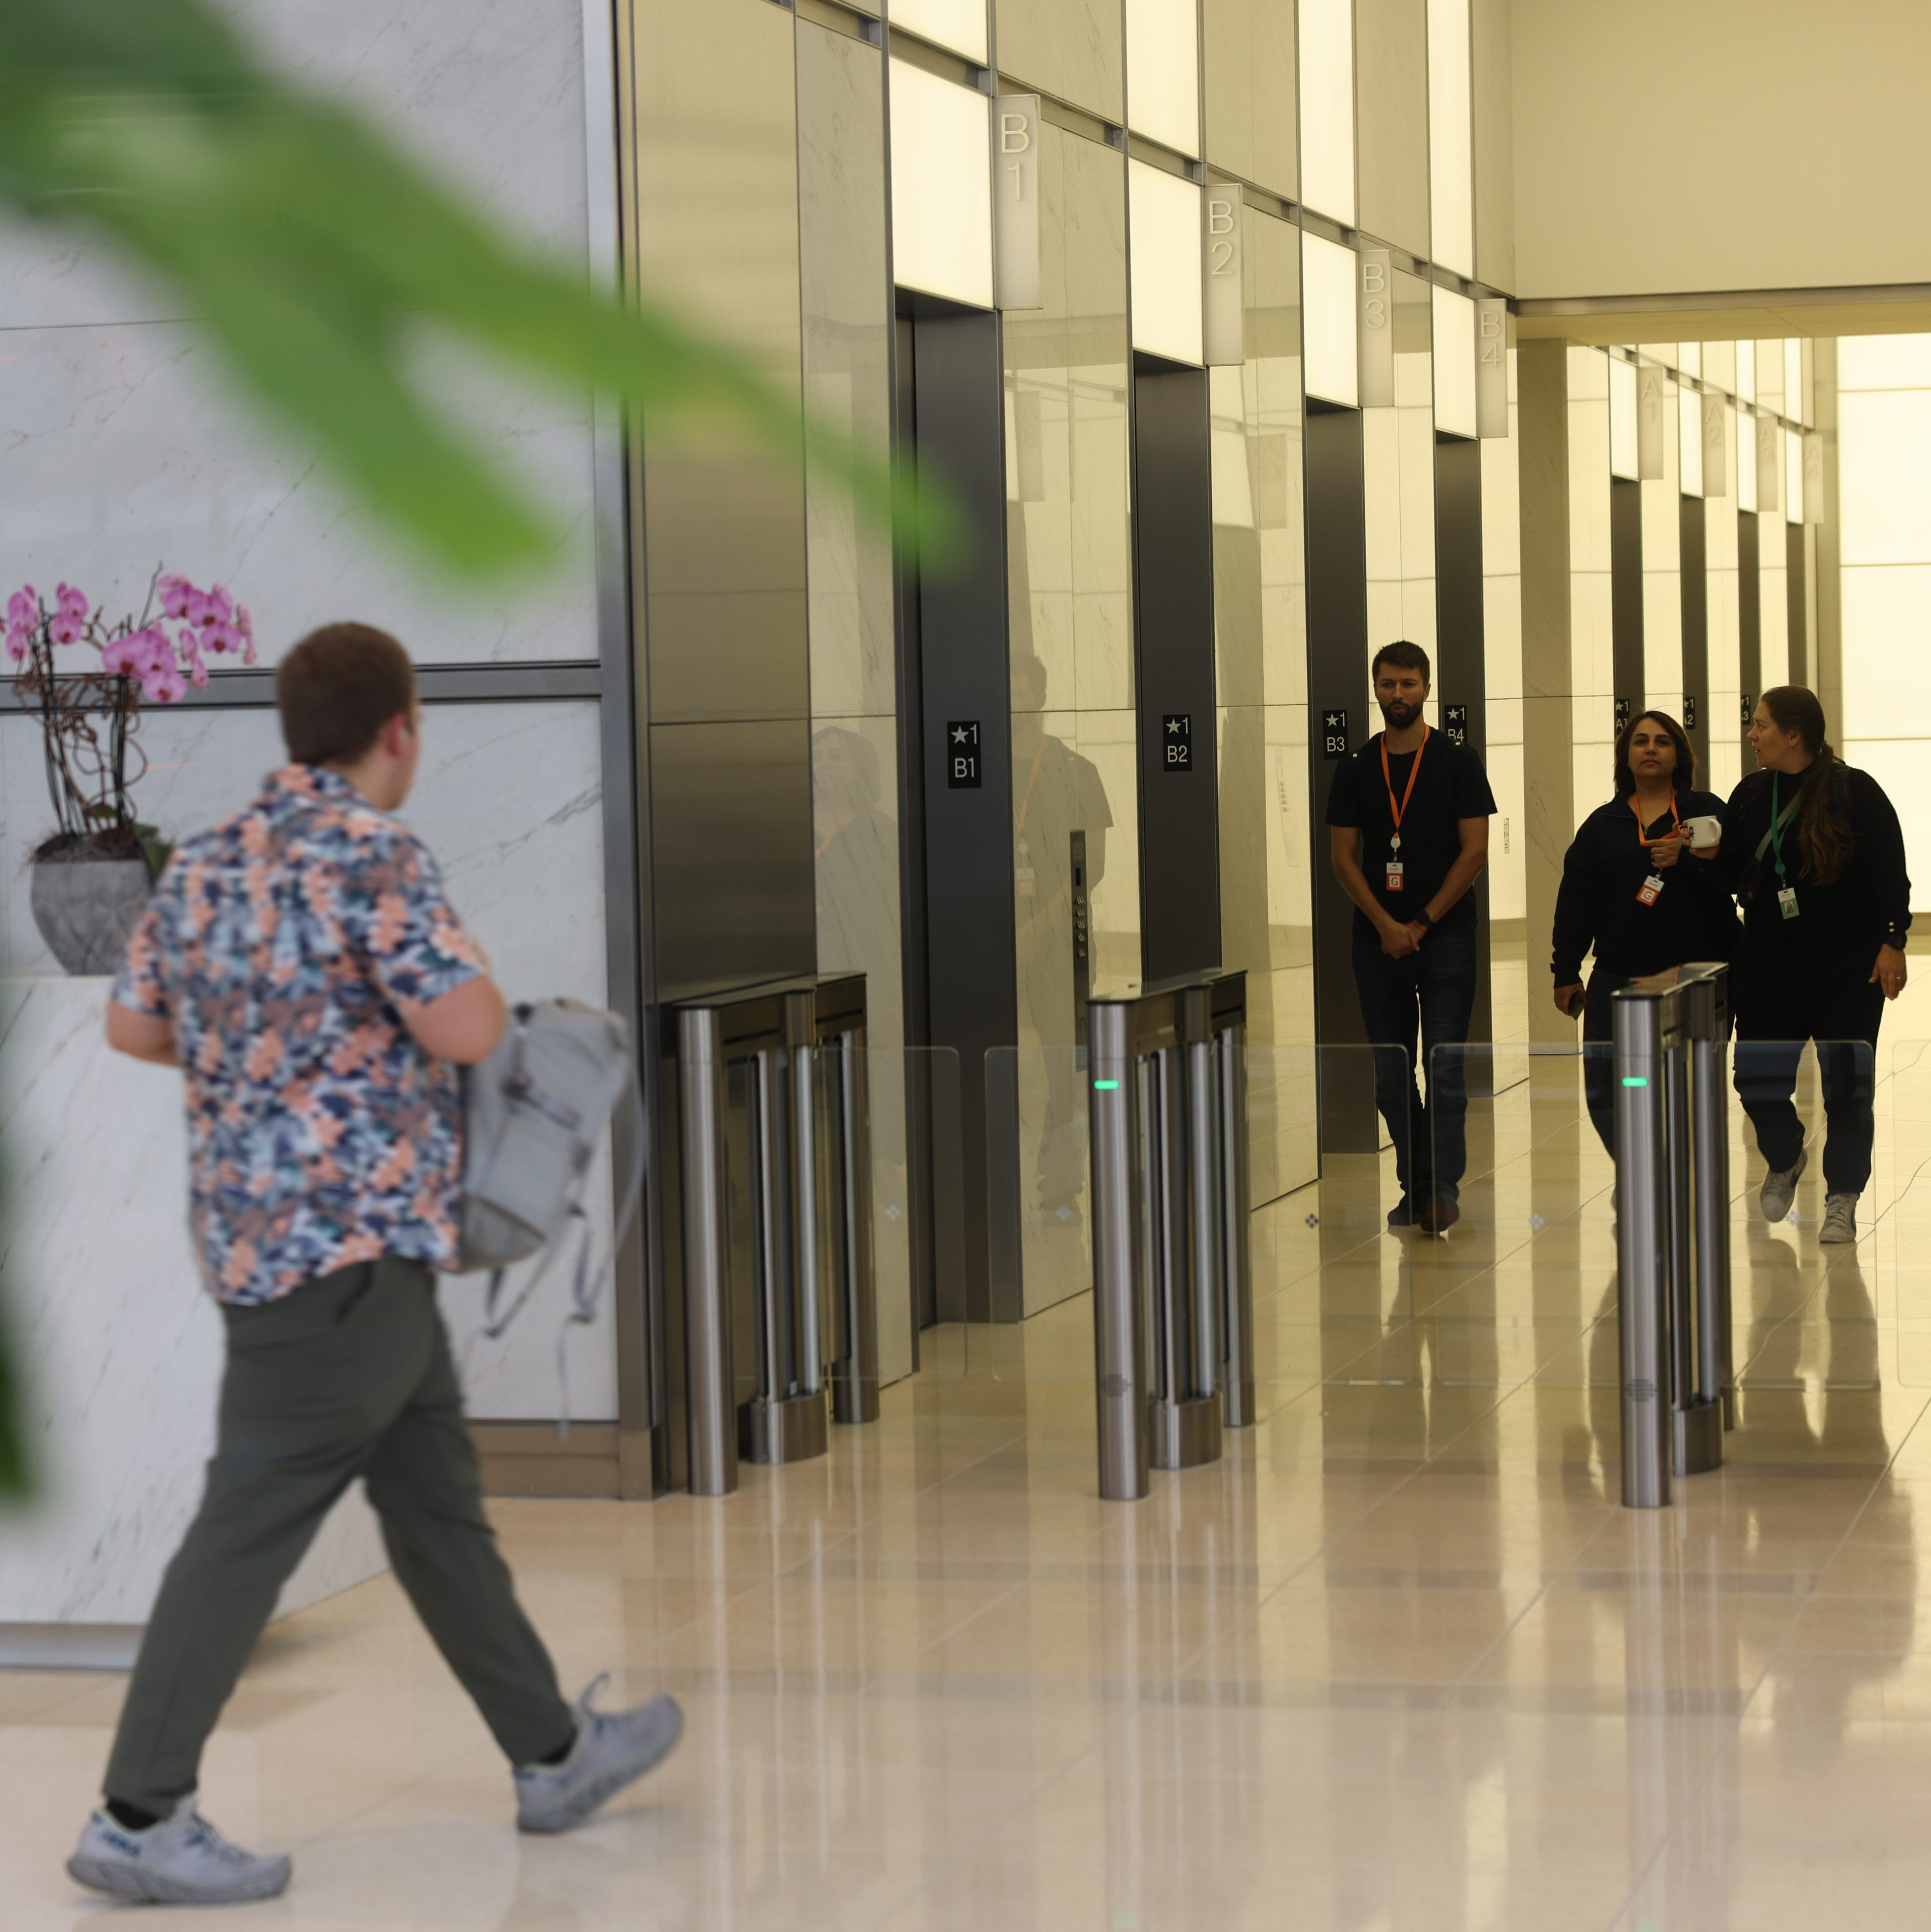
{"points": [[179, 1860], [1779, 1188], [1840, 1218], [613, 1749]]}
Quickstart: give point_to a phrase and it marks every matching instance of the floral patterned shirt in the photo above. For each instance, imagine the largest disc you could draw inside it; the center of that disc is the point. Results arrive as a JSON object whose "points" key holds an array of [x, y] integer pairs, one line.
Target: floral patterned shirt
{"points": [[319, 1132]]}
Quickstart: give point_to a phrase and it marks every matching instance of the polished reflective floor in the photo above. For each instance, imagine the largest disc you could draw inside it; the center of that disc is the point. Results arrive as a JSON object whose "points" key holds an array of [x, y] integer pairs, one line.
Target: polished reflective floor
{"points": [[1399, 1660]]}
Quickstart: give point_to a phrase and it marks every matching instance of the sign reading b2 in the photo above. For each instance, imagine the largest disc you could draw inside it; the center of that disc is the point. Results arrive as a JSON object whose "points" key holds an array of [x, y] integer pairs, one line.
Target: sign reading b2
{"points": [[1176, 741]]}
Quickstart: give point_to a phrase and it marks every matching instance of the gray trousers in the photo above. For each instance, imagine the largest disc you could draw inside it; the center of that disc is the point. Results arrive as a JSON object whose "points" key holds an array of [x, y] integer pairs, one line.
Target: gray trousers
{"points": [[349, 1376]]}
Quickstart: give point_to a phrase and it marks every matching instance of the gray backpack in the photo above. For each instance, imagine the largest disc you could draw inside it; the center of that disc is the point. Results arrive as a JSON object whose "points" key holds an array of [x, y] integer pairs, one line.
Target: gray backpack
{"points": [[533, 1114]]}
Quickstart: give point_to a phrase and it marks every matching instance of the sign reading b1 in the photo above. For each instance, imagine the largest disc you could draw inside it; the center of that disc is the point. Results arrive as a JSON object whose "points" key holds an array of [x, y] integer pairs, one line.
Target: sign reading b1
{"points": [[1176, 741], [962, 754]]}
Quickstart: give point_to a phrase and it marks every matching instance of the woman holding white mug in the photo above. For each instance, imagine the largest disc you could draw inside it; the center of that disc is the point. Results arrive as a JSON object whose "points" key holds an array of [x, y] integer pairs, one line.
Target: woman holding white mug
{"points": [[1628, 892]]}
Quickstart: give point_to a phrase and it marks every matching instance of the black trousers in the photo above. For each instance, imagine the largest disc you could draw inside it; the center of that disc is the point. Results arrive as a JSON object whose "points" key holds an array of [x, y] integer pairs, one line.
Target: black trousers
{"points": [[1599, 1071], [1832, 1002]]}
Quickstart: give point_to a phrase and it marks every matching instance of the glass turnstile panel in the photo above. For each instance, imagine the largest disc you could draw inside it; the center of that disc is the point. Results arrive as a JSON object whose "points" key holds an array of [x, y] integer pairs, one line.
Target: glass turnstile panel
{"points": [[1044, 1199]]}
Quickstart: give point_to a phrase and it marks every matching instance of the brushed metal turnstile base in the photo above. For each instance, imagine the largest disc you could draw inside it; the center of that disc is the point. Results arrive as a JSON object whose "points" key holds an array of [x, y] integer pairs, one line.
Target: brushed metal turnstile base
{"points": [[790, 1431], [1186, 1434], [854, 1398], [1698, 1438]]}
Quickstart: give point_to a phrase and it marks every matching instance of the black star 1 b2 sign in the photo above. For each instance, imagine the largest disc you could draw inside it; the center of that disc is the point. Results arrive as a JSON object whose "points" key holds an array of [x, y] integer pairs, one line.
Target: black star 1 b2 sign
{"points": [[1176, 741], [962, 754]]}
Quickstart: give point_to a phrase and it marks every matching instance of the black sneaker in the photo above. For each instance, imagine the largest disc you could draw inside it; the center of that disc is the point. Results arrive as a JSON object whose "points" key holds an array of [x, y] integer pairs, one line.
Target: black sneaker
{"points": [[1440, 1214], [1403, 1214]]}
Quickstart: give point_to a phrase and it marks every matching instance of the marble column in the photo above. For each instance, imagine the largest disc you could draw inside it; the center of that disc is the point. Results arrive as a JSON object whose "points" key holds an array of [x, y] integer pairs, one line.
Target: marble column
{"points": [[1548, 776]]}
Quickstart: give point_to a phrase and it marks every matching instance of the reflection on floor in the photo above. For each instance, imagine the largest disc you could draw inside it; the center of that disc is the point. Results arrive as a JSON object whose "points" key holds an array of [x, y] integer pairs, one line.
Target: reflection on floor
{"points": [[1399, 1661]]}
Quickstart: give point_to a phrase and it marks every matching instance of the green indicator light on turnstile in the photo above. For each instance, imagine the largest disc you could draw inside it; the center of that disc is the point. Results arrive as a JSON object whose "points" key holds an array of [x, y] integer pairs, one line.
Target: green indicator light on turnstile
{"points": [[1635, 1079], [1106, 1086]]}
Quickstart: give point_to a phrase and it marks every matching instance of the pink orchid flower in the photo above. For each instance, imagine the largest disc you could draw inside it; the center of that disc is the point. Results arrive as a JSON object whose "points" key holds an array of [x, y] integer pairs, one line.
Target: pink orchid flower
{"points": [[222, 637], [18, 638], [65, 628], [125, 657], [23, 609], [164, 685], [221, 603], [72, 603]]}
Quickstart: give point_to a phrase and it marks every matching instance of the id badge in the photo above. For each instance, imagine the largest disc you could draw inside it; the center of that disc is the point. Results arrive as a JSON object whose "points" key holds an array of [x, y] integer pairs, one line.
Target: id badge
{"points": [[1395, 875], [1649, 891], [1786, 900]]}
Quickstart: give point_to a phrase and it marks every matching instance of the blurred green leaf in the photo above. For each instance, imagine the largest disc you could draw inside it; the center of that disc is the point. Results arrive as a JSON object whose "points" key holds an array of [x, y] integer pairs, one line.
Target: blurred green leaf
{"points": [[318, 255]]}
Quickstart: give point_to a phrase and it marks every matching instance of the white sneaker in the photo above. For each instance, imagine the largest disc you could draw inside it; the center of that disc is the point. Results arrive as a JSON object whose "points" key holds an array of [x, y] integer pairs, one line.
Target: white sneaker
{"points": [[1779, 1188], [611, 1750], [1840, 1218], [179, 1860]]}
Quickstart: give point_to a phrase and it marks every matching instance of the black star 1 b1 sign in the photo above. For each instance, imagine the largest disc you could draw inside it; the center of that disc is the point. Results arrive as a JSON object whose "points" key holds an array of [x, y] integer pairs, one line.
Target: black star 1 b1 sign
{"points": [[962, 754]]}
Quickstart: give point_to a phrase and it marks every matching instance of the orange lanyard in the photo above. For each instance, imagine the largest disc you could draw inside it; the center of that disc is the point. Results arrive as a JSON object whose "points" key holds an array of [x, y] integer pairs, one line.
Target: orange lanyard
{"points": [[1642, 837], [1415, 771]]}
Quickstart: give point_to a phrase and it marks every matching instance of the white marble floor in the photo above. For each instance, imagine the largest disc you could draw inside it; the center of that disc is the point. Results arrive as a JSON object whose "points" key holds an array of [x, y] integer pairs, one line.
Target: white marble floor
{"points": [[1399, 1661]]}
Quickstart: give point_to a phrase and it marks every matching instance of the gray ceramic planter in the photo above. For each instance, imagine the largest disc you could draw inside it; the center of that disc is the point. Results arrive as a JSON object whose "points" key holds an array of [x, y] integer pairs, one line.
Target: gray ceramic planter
{"points": [[87, 908]]}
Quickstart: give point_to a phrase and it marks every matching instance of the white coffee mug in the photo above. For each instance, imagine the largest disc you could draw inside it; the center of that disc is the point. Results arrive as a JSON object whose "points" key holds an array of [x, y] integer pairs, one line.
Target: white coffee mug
{"points": [[1704, 832]]}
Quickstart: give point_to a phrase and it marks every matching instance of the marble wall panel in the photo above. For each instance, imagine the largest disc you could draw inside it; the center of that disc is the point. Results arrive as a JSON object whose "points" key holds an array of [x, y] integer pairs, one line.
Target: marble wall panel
{"points": [[117, 1345], [1252, 124], [508, 801], [490, 93], [1072, 48], [125, 450], [127, 443], [1662, 572], [1391, 120]]}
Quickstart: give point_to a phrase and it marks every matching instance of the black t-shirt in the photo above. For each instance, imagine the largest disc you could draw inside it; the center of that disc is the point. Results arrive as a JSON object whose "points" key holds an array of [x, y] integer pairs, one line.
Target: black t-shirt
{"points": [[1450, 786]]}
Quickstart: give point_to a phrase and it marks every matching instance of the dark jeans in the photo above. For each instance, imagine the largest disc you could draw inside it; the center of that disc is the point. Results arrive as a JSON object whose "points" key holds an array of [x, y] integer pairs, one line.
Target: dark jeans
{"points": [[349, 1376], [1432, 992], [1832, 1002], [1598, 1056]]}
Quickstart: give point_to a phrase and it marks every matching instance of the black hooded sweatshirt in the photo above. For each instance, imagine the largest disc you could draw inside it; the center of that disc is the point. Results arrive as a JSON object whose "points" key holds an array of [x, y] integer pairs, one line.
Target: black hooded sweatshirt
{"points": [[1600, 903], [1866, 906]]}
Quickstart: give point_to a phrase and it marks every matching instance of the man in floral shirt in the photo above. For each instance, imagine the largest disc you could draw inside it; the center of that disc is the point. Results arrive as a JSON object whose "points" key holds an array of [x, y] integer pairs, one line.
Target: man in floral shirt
{"points": [[301, 967]]}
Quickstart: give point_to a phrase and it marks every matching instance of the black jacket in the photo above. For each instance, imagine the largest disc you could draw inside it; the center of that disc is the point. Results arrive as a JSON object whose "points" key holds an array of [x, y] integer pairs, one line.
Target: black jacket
{"points": [[1868, 906], [1693, 918]]}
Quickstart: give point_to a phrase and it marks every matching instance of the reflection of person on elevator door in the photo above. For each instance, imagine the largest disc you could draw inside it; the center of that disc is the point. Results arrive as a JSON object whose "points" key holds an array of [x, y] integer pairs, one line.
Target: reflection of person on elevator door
{"points": [[856, 843], [1055, 793]]}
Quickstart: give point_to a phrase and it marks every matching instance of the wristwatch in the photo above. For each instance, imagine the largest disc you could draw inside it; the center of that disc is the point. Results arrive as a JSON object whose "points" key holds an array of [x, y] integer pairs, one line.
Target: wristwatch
{"points": [[1423, 918]]}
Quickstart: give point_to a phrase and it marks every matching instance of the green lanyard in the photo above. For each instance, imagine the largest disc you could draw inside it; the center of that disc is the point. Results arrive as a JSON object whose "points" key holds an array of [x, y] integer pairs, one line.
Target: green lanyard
{"points": [[1776, 826]]}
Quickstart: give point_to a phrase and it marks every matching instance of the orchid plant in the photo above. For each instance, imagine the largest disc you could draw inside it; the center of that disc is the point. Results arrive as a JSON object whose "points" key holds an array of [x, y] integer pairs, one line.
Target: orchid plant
{"points": [[90, 711]]}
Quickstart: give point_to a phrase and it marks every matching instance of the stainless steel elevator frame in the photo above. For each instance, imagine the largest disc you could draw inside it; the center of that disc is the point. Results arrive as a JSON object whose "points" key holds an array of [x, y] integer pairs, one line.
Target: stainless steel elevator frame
{"points": [[799, 1046], [1173, 1291], [1671, 1052]]}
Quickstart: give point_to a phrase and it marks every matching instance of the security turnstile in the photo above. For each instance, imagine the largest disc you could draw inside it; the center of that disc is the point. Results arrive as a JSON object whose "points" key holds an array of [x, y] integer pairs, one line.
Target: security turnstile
{"points": [[775, 1188], [1173, 1294], [1673, 1229]]}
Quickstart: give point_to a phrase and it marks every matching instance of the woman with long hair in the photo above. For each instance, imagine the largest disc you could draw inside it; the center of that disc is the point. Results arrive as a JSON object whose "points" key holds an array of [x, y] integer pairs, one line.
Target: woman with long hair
{"points": [[1816, 856], [1628, 892]]}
